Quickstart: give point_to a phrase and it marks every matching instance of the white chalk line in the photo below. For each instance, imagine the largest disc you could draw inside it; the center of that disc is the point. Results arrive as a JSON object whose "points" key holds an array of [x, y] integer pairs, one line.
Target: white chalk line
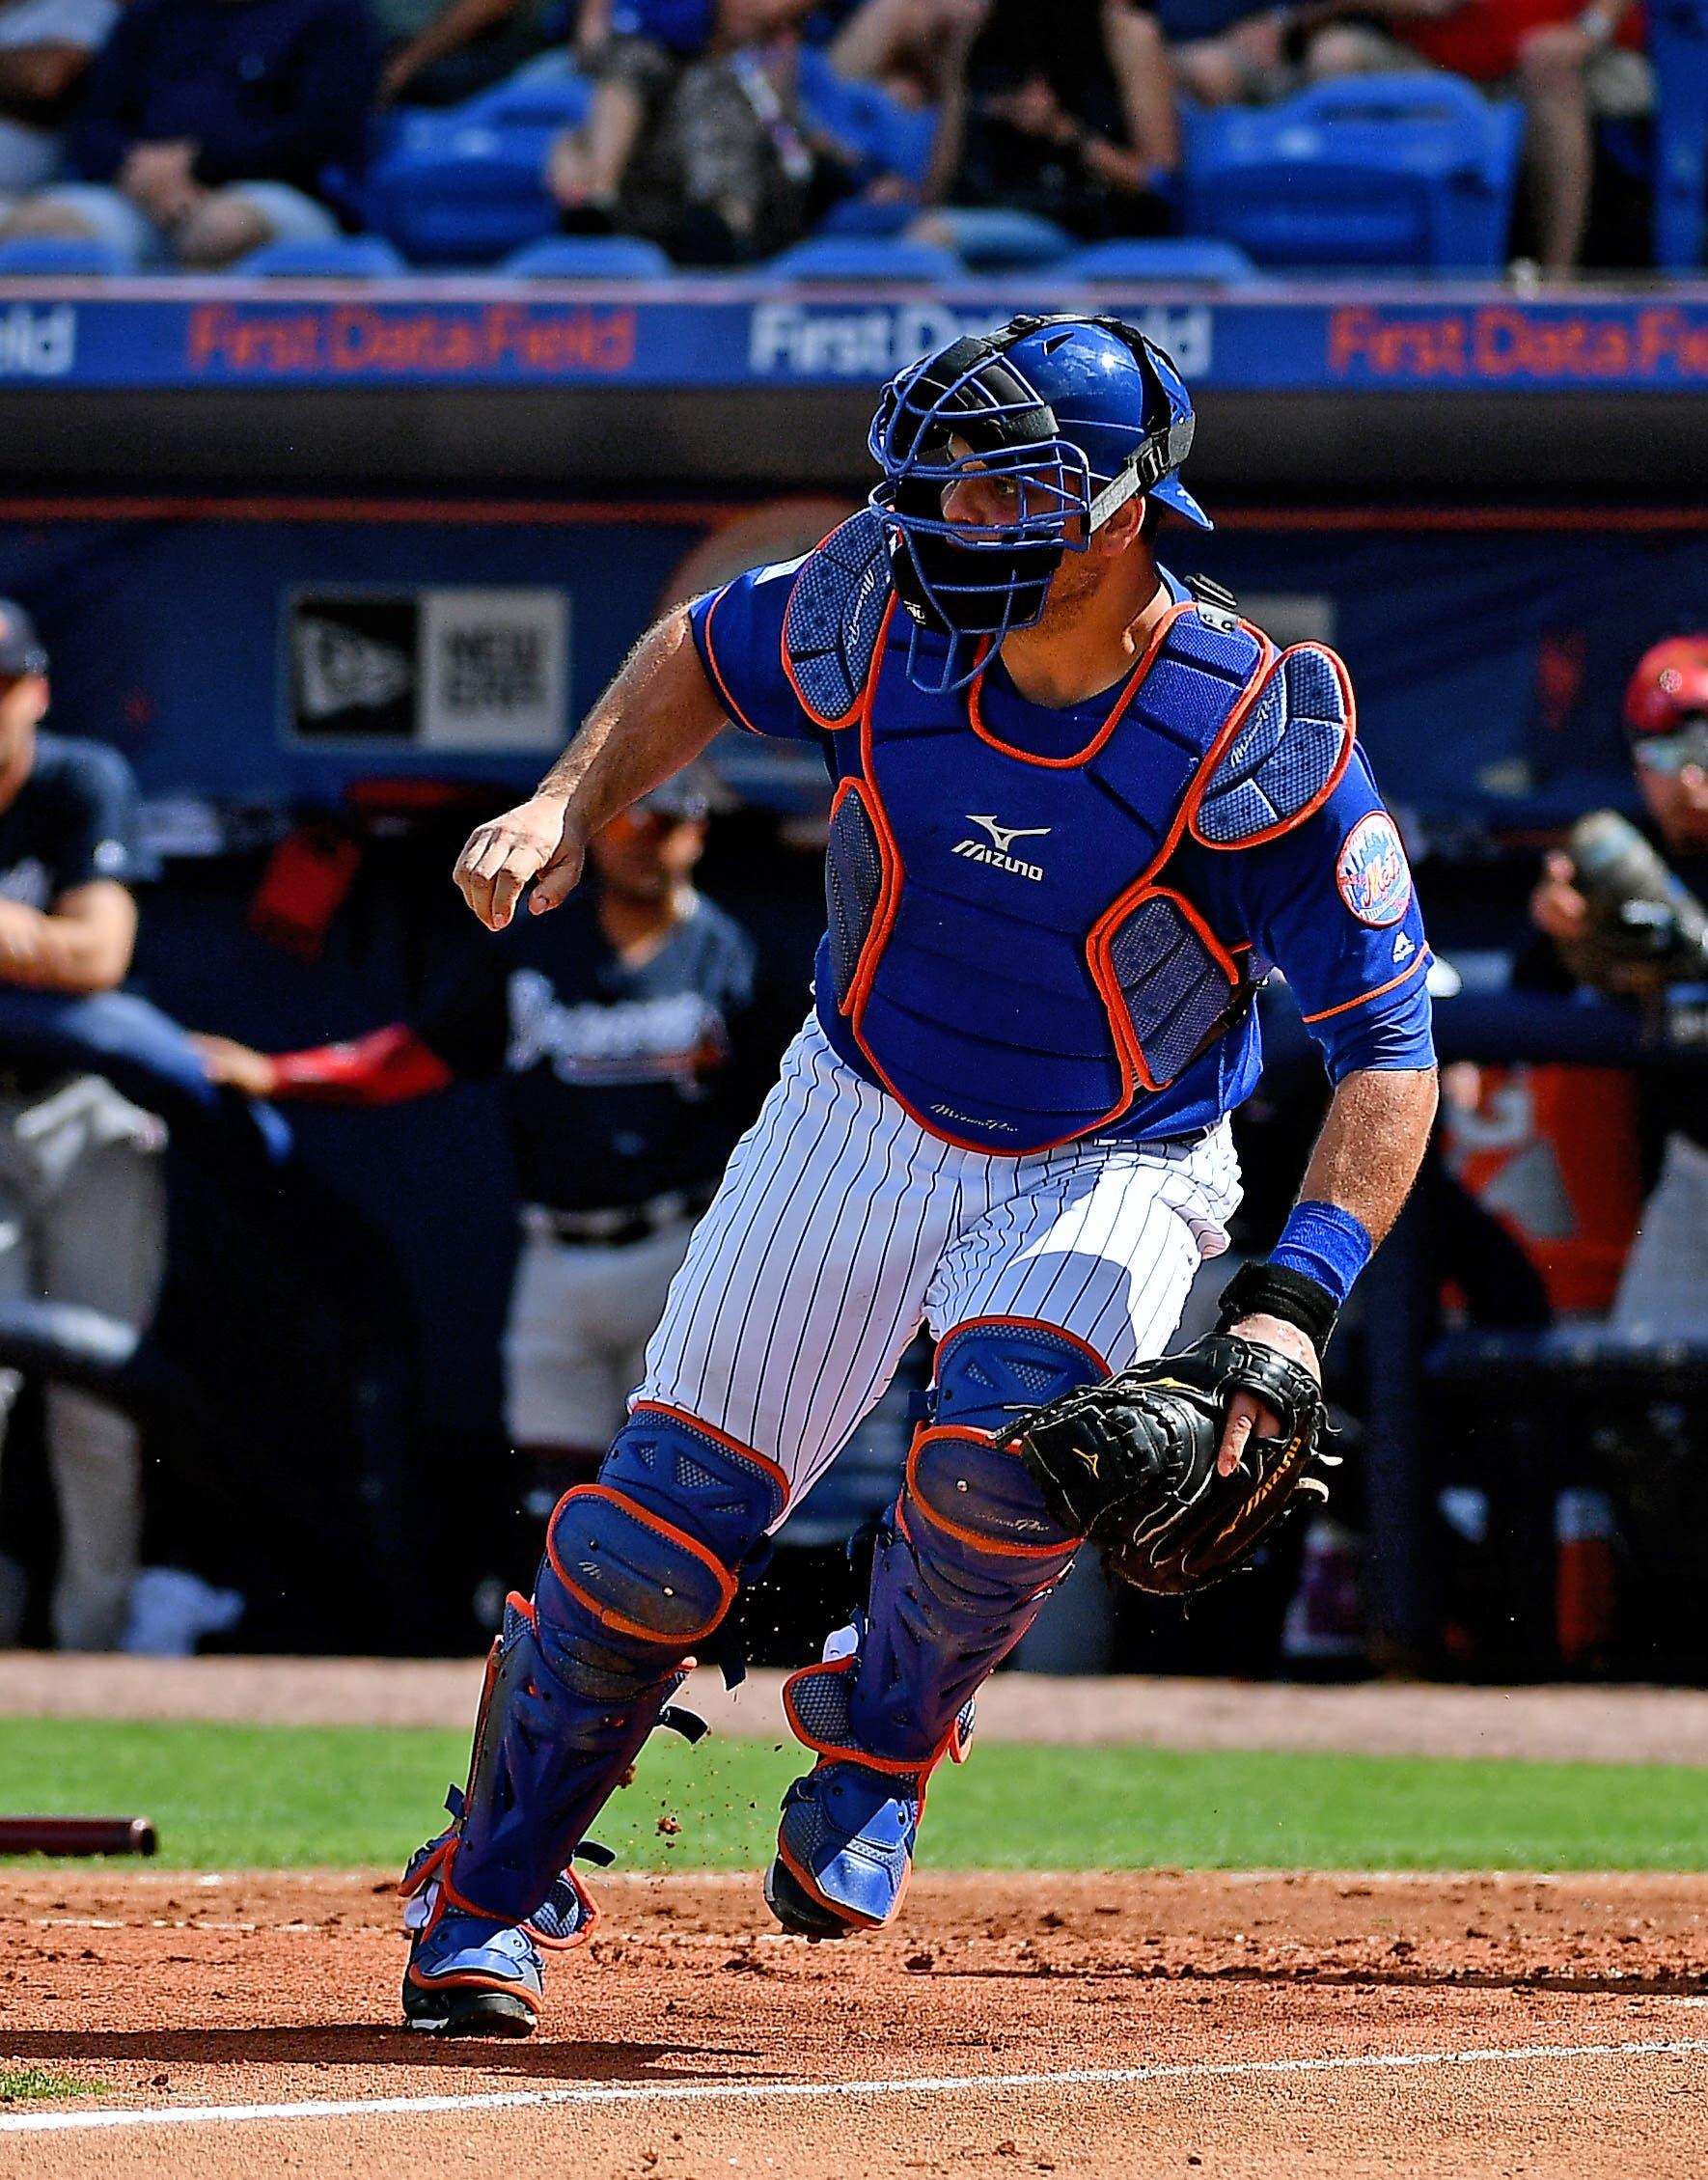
{"points": [[902, 2085]]}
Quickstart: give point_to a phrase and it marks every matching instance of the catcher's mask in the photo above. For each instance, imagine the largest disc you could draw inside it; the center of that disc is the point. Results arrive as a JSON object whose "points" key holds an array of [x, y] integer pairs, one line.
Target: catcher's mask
{"points": [[1074, 416]]}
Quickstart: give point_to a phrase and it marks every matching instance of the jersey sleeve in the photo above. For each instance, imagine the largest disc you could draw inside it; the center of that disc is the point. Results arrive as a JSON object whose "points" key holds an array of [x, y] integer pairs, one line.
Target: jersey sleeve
{"points": [[738, 634], [1334, 906], [100, 835]]}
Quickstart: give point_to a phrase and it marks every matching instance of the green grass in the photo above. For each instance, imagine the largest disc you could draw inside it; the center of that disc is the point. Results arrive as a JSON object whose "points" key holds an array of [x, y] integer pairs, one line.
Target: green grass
{"points": [[20, 2083], [228, 1797]]}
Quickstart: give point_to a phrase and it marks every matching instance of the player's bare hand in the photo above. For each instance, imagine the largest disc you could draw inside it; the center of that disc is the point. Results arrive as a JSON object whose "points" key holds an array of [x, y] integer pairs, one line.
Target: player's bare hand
{"points": [[1246, 1413], [1556, 906], [535, 845], [236, 1067]]}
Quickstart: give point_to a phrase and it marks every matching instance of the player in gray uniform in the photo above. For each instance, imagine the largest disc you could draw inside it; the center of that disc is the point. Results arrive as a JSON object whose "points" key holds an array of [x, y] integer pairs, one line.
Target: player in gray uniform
{"points": [[82, 1202]]}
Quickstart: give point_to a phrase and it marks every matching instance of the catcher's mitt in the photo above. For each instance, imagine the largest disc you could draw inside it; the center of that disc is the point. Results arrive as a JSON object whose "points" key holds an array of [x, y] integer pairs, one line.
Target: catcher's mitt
{"points": [[1131, 1463]]}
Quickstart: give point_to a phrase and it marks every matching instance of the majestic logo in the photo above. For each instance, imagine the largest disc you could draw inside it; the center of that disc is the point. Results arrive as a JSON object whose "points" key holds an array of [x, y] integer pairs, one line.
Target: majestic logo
{"points": [[1001, 839], [1403, 948], [1372, 871]]}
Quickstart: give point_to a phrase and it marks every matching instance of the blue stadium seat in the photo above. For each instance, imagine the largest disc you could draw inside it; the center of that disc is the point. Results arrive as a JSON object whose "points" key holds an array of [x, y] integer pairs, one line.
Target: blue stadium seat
{"points": [[55, 257], [1678, 46], [1401, 170], [1162, 256], [993, 238], [547, 94], [857, 257], [450, 191], [590, 256], [346, 256]]}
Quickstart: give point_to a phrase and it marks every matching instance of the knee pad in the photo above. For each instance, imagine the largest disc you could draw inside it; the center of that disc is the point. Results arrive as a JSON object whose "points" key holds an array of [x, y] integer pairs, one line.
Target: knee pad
{"points": [[988, 1368], [958, 1476], [651, 1550]]}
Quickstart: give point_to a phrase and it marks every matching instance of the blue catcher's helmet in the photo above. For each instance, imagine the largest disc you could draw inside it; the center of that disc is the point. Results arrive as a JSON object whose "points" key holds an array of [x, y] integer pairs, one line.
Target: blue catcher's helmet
{"points": [[1080, 413]]}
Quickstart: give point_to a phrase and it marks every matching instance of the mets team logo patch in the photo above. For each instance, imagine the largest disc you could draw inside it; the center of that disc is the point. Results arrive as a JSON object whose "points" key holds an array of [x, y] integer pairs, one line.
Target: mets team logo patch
{"points": [[1372, 871]]}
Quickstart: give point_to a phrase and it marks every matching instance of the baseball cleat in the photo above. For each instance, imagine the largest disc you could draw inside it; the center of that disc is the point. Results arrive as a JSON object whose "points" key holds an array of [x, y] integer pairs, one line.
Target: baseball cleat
{"points": [[471, 1974], [845, 1850], [468, 1977]]}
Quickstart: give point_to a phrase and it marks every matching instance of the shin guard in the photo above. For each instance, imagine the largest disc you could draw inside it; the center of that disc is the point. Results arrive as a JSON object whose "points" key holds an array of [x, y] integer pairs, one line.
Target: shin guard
{"points": [[639, 1568], [959, 1570], [966, 1557]]}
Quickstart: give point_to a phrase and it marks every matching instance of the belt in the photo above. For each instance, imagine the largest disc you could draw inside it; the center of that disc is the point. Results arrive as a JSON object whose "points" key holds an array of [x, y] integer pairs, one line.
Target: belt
{"points": [[621, 1224]]}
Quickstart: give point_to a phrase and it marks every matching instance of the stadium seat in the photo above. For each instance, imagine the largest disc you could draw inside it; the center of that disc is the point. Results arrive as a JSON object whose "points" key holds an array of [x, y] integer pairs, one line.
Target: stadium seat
{"points": [[547, 94], [55, 257], [454, 192], [346, 256], [590, 256], [992, 239], [1162, 256], [1402, 171], [856, 257], [1678, 47]]}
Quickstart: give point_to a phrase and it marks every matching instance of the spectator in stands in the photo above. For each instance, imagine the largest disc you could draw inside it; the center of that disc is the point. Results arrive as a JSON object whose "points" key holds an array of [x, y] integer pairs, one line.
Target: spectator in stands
{"points": [[1065, 112], [627, 1040], [45, 46], [914, 49], [82, 1207], [211, 126], [1570, 64], [692, 139]]}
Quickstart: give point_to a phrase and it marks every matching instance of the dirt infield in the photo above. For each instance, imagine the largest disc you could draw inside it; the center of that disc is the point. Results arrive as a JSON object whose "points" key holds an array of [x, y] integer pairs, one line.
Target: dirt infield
{"points": [[1157, 2022]]}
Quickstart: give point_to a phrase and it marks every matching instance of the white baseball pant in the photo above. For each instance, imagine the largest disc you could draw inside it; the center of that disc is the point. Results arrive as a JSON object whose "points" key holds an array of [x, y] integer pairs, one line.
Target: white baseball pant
{"points": [[842, 1226]]}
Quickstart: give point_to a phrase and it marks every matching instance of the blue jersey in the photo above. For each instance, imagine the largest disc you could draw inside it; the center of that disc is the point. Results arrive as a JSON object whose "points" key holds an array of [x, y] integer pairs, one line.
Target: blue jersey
{"points": [[1329, 903]]}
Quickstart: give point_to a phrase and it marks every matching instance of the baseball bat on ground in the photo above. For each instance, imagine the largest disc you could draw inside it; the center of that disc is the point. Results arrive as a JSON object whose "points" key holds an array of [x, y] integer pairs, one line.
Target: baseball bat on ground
{"points": [[76, 1835]]}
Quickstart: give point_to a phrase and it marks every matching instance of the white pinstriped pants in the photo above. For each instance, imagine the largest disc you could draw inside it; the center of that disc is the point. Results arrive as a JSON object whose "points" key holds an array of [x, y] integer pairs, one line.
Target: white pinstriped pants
{"points": [[842, 1226]]}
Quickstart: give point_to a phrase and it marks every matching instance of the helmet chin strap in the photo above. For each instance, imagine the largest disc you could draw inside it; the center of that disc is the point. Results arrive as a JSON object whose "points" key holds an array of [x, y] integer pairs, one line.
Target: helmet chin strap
{"points": [[1159, 456]]}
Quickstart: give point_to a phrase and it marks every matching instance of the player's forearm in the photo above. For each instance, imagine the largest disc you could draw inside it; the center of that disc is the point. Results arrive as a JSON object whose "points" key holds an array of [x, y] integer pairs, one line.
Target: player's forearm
{"points": [[61, 953], [656, 717], [1372, 1143], [1360, 1175]]}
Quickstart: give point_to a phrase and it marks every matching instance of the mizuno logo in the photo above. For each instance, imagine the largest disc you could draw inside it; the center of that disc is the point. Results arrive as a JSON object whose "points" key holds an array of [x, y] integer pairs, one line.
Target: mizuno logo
{"points": [[1004, 836], [1003, 839]]}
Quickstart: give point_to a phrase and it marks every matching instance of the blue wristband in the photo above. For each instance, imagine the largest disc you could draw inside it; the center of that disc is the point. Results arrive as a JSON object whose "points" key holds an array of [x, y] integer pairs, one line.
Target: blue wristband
{"points": [[1327, 1245]]}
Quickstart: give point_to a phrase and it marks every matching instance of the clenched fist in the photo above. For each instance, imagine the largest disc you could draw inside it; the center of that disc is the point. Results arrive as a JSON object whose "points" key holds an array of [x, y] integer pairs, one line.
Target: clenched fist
{"points": [[535, 844]]}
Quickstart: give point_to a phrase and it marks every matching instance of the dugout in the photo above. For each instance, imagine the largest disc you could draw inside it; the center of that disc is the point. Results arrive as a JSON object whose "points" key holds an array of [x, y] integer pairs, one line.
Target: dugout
{"points": [[342, 565]]}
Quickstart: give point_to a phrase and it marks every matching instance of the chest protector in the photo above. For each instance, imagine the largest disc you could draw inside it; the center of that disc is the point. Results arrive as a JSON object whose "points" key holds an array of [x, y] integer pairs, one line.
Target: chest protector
{"points": [[1007, 947]]}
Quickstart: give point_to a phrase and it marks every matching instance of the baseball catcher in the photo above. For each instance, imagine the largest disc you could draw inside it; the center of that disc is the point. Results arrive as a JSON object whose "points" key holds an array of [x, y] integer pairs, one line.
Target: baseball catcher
{"points": [[1082, 808]]}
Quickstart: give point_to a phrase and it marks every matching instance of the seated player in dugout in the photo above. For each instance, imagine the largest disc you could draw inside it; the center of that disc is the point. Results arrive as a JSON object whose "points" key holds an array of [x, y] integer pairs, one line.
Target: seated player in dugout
{"points": [[624, 1035], [1605, 932], [1081, 810], [1625, 912], [82, 1202]]}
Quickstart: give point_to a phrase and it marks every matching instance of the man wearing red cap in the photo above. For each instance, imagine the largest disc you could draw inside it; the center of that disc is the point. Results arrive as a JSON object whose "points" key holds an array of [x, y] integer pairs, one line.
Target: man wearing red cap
{"points": [[1666, 722]]}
